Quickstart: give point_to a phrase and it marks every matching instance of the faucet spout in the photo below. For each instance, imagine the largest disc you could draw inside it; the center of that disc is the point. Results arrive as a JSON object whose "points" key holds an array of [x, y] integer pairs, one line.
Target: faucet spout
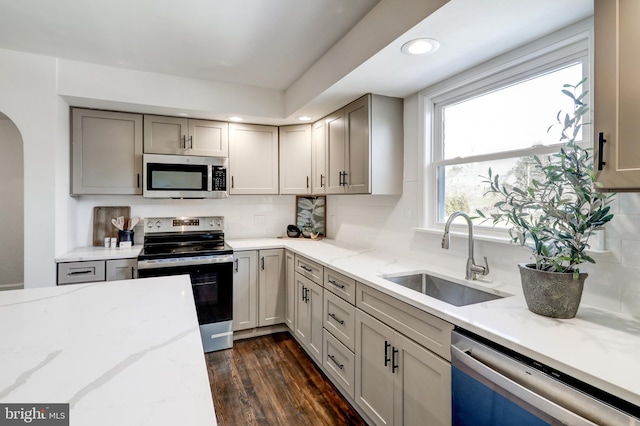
{"points": [[472, 270]]}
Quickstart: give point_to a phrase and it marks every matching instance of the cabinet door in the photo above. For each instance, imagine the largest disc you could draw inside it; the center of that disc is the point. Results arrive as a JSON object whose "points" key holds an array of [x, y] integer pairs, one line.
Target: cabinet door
{"points": [[302, 309], [271, 288], [617, 92], [422, 385], [253, 159], [165, 135], [122, 269], [336, 164], [374, 378], [358, 146], [106, 153], [245, 290], [318, 158], [295, 159], [315, 297], [290, 289], [81, 272], [208, 138]]}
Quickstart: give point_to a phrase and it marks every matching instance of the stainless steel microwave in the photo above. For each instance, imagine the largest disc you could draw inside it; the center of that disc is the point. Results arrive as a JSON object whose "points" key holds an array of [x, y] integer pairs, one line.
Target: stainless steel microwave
{"points": [[184, 176]]}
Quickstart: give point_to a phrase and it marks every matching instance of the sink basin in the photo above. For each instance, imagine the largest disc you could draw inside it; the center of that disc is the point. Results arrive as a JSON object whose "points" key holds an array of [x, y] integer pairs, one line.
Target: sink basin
{"points": [[441, 289]]}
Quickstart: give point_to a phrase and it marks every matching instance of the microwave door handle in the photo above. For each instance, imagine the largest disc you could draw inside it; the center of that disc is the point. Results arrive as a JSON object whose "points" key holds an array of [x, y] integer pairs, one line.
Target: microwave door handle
{"points": [[209, 177]]}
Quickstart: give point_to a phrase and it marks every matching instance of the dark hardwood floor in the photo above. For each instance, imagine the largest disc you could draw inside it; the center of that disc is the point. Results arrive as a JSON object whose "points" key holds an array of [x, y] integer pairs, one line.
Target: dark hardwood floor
{"points": [[270, 380]]}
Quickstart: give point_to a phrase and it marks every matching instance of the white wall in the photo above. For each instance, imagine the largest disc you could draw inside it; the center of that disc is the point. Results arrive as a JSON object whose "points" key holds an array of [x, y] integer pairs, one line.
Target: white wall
{"points": [[12, 196], [385, 223]]}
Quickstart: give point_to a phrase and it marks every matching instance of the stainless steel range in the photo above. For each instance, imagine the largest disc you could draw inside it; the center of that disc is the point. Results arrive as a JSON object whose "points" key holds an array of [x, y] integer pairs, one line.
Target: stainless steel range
{"points": [[195, 246]]}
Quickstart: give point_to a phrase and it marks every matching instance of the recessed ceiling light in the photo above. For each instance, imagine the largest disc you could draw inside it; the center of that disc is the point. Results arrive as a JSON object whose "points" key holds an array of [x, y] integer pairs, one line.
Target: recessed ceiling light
{"points": [[420, 46], [236, 118], [183, 114], [304, 118]]}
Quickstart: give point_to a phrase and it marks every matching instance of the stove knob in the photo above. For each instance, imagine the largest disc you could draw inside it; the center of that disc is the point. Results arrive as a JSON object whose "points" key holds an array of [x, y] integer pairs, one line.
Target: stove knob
{"points": [[150, 224], [158, 224]]}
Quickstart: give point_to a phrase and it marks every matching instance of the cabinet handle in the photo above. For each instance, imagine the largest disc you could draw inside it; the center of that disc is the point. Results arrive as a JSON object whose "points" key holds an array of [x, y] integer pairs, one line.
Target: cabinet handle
{"points": [[307, 182], [394, 351], [80, 272], [263, 263], [333, 358], [232, 184], [184, 141], [340, 181], [133, 272], [336, 318], [306, 268], [601, 142], [304, 294], [387, 345], [237, 262], [138, 175], [321, 181], [344, 175], [191, 142], [336, 284]]}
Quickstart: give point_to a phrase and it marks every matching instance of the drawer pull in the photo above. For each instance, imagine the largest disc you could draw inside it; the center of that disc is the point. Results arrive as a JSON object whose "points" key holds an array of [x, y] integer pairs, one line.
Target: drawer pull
{"points": [[81, 272], [336, 284], [306, 268], [333, 358], [336, 318], [387, 345], [394, 351]]}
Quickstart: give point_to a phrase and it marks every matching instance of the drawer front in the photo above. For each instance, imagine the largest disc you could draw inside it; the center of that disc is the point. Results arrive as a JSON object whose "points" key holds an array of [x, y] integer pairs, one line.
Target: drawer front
{"points": [[427, 330], [340, 319], [339, 363], [81, 272], [310, 269], [341, 285]]}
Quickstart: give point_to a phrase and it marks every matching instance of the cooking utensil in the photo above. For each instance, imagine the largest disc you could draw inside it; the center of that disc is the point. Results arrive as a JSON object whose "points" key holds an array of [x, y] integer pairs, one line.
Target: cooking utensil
{"points": [[115, 223], [133, 222]]}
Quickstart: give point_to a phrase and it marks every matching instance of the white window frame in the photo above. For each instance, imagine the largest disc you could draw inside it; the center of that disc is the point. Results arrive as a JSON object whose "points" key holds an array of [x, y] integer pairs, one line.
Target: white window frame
{"points": [[567, 46]]}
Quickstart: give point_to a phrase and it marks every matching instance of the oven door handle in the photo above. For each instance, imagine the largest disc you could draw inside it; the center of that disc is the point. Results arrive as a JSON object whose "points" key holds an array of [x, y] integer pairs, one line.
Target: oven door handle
{"points": [[155, 264]]}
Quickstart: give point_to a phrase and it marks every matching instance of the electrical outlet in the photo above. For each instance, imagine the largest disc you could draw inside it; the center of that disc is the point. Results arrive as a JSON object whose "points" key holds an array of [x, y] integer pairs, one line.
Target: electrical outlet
{"points": [[258, 219]]}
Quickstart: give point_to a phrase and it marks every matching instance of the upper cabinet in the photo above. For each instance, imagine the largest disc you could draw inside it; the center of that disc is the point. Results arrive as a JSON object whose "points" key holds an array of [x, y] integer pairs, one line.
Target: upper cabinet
{"points": [[617, 94], [253, 159], [181, 136], [364, 147], [295, 159], [106, 152], [319, 157]]}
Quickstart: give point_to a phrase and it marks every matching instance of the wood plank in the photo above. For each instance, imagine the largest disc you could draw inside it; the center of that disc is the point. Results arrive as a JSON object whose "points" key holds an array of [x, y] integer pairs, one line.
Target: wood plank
{"points": [[102, 226], [271, 380]]}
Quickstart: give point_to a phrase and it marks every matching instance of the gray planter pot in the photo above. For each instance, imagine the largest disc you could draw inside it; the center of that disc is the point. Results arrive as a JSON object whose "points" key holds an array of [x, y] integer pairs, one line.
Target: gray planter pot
{"points": [[552, 294]]}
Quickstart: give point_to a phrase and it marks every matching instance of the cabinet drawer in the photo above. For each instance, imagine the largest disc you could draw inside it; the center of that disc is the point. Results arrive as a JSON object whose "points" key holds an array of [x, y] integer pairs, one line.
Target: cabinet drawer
{"points": [[429, 331], [339, 363], [339, 319], [341, 285], [81, 272], [310, 269]]}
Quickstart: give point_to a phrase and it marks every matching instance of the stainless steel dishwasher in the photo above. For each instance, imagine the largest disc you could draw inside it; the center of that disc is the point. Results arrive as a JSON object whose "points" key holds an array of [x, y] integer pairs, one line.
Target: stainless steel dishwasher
{"points": [[492, 385]]}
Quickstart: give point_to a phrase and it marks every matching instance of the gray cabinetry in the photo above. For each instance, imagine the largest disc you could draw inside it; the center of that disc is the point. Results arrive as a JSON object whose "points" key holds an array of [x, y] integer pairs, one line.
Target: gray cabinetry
{"points": [[181, 136], [253, 159], [290, 289], [97, 270], [245, 290], [271, 287], [308, 324], [295, 159], [106, 152], [121, 269]]}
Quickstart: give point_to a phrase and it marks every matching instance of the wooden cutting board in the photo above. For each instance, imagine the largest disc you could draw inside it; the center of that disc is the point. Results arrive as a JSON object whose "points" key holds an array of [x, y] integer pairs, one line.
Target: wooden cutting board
{"points": [[102, 226]]}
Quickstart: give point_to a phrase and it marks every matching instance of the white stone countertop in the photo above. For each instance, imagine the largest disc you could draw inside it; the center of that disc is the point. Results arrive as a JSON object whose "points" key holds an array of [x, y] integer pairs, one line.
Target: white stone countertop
{"points": [[99, 253], [597, 346], [120, 352]]}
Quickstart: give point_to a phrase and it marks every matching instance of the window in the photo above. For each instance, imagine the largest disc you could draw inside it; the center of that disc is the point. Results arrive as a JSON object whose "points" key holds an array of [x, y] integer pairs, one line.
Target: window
{"points": [[499, 121]]}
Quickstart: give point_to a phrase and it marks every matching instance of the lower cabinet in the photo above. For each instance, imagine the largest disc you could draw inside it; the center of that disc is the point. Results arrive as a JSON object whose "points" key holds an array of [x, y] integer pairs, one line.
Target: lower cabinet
{"points": [[290, 289], [97, 270], [397, 381], [339, 363], [308, 315], [258, 288]]}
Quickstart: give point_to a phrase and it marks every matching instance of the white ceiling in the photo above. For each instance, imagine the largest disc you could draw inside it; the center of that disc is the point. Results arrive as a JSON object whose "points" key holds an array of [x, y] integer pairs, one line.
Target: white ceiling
{"points": [[275, 44]]}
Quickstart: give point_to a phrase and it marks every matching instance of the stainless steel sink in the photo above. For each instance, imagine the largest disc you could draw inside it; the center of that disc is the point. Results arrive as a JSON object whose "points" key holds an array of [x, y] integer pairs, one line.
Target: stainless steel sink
{"points": [[446, 291]]}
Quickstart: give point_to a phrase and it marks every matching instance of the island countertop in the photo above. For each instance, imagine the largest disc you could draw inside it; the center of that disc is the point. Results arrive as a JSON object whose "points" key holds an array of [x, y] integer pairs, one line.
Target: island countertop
{"points": [[119, 353]]}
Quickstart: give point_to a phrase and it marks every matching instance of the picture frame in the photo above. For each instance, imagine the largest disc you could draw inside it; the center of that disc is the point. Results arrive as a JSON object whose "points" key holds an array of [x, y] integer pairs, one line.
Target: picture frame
{"points": [[313, 210]]}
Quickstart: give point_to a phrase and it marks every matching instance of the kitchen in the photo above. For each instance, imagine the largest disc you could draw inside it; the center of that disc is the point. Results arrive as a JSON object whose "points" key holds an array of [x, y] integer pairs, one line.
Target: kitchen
{"points": [[37, 91]]}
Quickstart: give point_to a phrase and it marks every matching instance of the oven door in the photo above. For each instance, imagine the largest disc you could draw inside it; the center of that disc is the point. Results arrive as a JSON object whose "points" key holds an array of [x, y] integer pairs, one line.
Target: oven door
{"points": [[212, 286]]}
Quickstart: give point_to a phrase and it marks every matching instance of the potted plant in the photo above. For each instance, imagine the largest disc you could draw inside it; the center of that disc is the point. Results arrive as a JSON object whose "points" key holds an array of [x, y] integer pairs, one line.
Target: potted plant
{"points": [[554, 215]]}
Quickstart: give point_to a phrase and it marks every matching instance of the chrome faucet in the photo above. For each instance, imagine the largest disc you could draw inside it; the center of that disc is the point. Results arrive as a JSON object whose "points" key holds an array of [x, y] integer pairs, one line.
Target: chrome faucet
{"points": [[472, 269]]}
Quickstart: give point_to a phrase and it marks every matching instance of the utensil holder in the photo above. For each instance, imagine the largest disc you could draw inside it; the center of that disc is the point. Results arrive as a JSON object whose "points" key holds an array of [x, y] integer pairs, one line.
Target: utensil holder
{"points": [[125, 235]]}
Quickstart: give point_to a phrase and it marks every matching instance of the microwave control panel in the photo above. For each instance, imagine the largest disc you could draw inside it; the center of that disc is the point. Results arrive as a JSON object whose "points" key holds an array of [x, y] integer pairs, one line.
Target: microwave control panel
{"points": [[219, 178]]}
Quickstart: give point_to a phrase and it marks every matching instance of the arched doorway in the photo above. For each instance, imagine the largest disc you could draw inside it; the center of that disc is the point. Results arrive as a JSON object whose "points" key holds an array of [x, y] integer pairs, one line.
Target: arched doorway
{"points": [[12, 209]]}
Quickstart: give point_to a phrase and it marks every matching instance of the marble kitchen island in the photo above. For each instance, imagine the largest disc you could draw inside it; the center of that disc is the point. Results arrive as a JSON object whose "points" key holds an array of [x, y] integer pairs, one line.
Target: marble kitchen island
{"points": [[120, 352]]}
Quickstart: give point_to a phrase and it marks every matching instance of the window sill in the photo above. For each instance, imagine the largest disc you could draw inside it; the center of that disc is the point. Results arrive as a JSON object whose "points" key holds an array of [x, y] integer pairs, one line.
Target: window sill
{"points": [[480, 236]]}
